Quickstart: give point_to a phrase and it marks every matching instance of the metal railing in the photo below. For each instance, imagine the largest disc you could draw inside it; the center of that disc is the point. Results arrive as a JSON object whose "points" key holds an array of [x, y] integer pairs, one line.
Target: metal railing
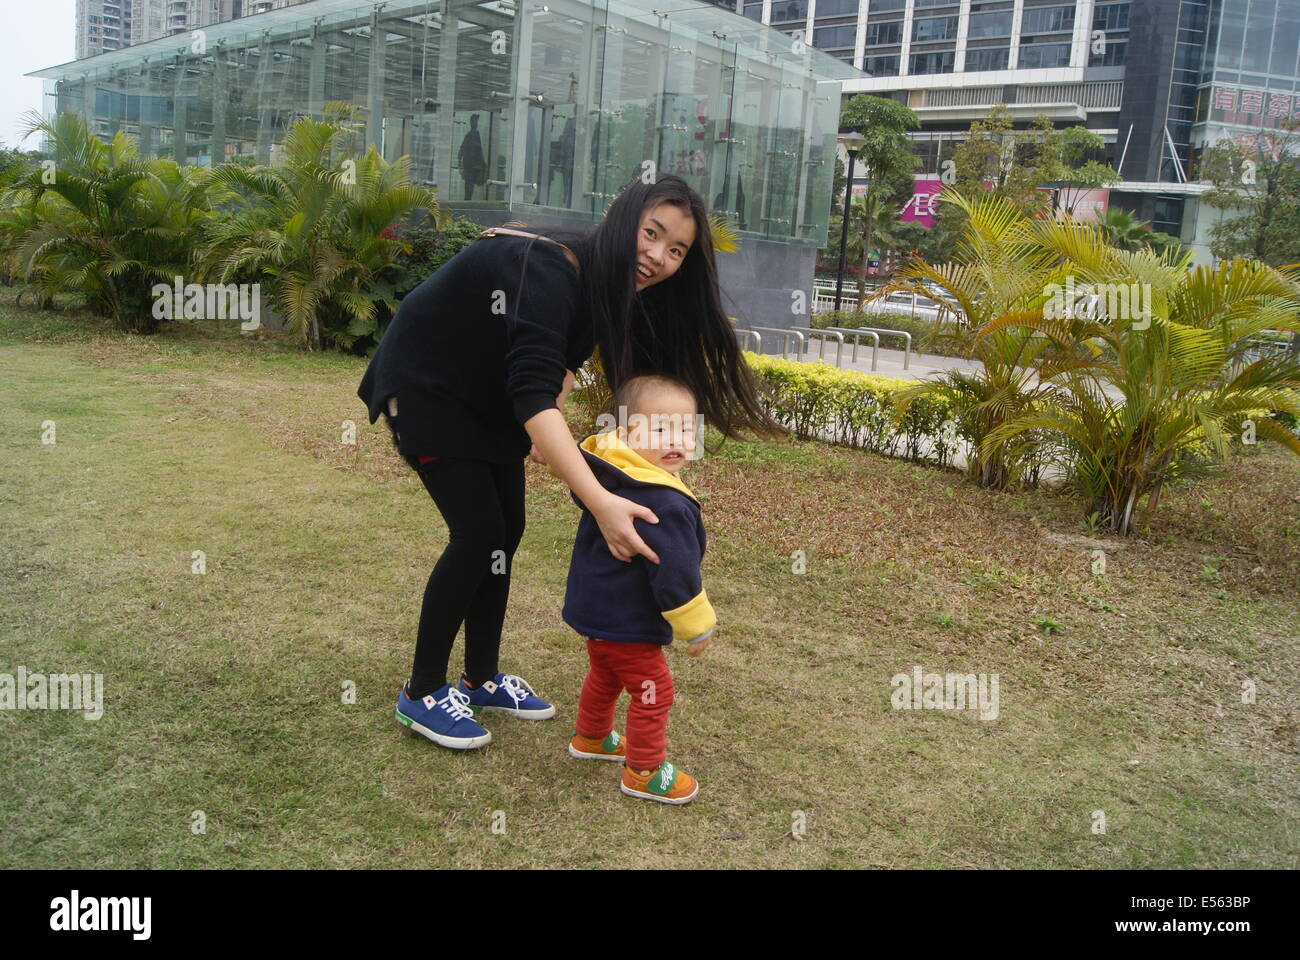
{"points": [[823, 335], [744, 336], [785, 336], [907, 348], [1258, 348], [875, 351], [824, 299], [857, 334]]}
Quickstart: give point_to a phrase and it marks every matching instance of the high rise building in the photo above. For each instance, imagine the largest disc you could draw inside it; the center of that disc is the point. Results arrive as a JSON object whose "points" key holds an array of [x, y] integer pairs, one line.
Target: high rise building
{"points": [[104, 25], [1158, 80]]}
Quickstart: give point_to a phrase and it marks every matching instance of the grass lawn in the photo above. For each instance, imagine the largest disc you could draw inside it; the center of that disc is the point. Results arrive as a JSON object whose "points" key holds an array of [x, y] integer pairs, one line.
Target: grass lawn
{"points": [[1119, 693]]}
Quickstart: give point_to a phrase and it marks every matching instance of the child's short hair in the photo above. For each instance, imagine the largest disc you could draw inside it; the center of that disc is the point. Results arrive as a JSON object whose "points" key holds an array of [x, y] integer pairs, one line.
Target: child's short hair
{"points": [[631, 391]]}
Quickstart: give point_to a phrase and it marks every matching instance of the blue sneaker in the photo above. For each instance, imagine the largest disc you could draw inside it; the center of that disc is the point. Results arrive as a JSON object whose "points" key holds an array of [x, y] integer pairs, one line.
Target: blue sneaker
{"points": [[506, 693], [444, 716]]}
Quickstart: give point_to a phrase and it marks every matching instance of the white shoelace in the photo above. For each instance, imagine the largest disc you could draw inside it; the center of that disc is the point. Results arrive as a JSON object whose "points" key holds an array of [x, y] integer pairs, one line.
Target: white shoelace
{"points": [[517, 687], [456, 704]]}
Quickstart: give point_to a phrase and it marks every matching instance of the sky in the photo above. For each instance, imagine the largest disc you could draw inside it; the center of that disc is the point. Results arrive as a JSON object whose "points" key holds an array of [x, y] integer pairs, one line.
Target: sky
{"points": [[33, 34]]}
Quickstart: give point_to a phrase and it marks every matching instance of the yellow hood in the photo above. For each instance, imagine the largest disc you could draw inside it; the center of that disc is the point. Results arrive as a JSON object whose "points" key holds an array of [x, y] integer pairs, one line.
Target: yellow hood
{"points": [[610, 449]]}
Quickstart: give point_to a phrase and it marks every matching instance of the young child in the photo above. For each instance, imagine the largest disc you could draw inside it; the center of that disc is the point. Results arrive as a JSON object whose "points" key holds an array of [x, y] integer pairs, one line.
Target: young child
{"points": [[629, 612]]}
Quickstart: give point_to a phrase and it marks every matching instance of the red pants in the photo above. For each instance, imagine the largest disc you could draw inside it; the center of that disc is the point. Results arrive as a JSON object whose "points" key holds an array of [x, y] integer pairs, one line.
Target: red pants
{"points": [[640, 669]]}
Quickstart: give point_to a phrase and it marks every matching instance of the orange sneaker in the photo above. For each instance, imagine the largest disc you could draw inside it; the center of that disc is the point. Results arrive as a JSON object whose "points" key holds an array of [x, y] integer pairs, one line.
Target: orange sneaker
{"points": [[589, 748], [665, 783]]}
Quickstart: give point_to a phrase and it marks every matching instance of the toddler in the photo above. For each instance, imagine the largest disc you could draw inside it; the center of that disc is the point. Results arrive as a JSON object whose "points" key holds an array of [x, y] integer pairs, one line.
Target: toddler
{"points": [[629, 611]]}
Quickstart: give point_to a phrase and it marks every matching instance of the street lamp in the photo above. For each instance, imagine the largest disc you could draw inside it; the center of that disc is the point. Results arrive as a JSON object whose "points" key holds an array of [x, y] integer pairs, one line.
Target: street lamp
{"points": [[852, 143]]}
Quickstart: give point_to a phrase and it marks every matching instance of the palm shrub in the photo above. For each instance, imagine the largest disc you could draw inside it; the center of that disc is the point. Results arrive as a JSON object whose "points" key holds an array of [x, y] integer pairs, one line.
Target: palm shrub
{"points": [[998, 274], [103, 224], [1129, 233], [1136, 393], [15, 212], [319, 228]]}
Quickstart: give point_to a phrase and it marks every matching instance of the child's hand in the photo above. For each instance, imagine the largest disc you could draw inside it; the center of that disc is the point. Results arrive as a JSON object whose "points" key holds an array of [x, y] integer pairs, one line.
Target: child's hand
{"points": [[696, 648], [535, 455]]}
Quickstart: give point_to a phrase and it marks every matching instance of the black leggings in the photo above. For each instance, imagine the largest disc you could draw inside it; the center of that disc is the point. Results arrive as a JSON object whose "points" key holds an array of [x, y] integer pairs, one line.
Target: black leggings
{"points": [[483, 505]]}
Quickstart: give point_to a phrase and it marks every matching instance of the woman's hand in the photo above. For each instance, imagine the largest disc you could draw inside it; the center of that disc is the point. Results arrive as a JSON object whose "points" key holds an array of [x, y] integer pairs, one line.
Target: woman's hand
{"points": [[614, 516], [535, 455]]}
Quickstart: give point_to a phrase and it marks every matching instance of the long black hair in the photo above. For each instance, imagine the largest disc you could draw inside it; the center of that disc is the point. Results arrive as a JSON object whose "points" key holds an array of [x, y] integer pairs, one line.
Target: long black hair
{"points": [[676, 327]]}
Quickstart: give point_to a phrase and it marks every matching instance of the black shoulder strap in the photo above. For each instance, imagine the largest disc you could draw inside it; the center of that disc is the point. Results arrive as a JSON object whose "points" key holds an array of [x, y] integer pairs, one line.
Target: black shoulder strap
{"points": [[497, 231]]}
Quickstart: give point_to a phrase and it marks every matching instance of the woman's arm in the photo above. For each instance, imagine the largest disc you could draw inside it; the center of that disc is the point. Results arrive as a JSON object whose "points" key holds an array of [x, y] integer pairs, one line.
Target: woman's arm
{"points": [[614, 514], [570, 378]]}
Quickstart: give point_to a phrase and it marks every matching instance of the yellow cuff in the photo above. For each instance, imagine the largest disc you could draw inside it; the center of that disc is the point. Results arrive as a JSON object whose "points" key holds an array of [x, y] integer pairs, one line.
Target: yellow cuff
{"points": [[692, 619]]}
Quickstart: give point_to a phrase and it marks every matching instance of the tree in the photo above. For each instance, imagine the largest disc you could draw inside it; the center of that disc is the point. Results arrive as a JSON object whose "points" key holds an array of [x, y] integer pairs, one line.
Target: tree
{"points": [[886, 158], [1259, 187], [1074, 167], [1018, 165], [883, 214]]}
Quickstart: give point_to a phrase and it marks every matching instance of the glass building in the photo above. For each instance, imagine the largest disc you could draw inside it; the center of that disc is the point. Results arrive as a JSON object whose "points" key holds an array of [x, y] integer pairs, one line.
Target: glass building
{"points": [[1249, 81], [1156, 80], [529, 110]]}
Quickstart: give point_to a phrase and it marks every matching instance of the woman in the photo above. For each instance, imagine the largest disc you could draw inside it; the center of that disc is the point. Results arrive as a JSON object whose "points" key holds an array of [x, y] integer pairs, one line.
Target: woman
{"points": [[472, 374]]}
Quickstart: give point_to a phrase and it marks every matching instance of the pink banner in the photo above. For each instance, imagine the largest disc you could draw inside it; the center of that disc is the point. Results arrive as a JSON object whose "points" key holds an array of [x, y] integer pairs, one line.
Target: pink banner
{"points": [[1089, 206], [920, 208]]}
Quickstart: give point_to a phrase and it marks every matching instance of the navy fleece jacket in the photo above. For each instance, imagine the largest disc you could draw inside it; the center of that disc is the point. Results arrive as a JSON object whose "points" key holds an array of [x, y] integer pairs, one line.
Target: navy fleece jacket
{"points": [[640, 601]]}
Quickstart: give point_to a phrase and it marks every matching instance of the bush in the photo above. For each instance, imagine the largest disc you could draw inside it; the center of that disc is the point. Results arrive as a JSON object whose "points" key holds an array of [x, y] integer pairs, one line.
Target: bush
{"points": [[817, 401], [426, 248]]}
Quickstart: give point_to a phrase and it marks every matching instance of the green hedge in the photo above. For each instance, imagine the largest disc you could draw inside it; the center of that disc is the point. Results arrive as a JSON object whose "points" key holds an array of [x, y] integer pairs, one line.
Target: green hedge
{"points": [[817, 401]]}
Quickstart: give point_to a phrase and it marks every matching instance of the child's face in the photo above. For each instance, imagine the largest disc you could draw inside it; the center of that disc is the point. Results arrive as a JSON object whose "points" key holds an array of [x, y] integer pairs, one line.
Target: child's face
{"points": [[662, 429]]}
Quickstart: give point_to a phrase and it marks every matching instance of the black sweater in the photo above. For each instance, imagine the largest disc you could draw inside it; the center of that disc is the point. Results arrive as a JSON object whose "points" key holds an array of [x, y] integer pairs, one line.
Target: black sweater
{"points": [[479, 348]]}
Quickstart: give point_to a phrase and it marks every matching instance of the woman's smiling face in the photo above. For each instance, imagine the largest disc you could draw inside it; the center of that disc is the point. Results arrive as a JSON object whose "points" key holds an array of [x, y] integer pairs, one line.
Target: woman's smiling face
{"points": [[665, 235]]}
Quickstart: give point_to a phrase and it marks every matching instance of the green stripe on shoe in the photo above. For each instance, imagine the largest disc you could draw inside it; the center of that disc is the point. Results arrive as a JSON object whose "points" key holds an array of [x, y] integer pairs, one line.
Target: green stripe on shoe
{"points": [[662, 780], [610, 743]]}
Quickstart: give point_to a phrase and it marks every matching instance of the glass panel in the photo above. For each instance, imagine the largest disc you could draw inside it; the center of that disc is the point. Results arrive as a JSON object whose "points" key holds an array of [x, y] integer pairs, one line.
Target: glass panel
{"points": [[1259, 35], [1114, 54], [1286, 40], [786, 10], [890, 31], [936, 62], [987, 58], [1231, 34], [1046, 20], [1110, 16], [996, 24], [828, 38], [882, 66], [935, 28], [836, 8], [1035, 55]]}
